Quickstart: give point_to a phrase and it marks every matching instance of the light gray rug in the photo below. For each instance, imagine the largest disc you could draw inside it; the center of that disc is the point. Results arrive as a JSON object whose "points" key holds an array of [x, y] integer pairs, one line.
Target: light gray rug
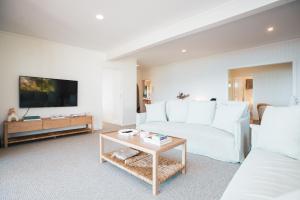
{"points": [[68, 168]]}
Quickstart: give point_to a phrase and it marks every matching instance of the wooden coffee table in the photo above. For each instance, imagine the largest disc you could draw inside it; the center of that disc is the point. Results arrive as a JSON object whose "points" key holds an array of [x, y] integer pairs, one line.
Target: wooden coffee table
{"points": [[162, 168]]}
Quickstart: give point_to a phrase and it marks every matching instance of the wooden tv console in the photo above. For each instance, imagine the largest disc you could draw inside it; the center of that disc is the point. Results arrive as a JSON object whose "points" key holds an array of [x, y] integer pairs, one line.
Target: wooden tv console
{"points": [[46, 124]]}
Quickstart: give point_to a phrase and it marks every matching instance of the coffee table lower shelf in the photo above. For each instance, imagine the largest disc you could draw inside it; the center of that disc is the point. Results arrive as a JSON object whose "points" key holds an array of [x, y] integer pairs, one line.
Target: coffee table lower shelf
{"points": [[143, 168]]}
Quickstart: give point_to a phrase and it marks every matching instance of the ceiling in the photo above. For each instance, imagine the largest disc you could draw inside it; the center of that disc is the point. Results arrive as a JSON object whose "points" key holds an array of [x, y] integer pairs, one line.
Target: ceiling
{"points": [[244, 33], [155, 31], [73, 22]]}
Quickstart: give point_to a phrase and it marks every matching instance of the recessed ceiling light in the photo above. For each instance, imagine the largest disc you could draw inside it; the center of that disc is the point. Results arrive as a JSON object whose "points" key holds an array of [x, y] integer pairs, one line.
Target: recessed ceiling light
{"points": [[99, 17], [270, 29], [183, 51]]}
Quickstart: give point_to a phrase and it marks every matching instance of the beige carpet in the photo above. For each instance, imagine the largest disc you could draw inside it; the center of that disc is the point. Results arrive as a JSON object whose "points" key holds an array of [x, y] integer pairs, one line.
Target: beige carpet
{"points": [[68, 168]]}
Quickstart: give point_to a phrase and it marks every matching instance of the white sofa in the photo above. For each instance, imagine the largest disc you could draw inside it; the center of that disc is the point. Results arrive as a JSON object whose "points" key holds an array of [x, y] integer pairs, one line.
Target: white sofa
{"points": [[268, 173], [265, 175], [187, 120]]}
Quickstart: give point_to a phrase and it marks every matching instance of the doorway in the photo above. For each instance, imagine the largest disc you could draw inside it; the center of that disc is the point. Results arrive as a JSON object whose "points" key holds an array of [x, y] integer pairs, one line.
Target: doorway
{"points": [[267, 84]]}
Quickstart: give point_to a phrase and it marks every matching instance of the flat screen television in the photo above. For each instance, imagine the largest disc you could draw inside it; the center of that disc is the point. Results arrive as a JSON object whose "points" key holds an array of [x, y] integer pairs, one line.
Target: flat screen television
{"points": [[35, 92]]}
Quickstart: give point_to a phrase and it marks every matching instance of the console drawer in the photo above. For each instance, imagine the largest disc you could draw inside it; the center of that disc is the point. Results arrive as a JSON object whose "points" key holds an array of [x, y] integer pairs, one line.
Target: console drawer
{"points": [[82, 120], [56, 123], [16, 127]]}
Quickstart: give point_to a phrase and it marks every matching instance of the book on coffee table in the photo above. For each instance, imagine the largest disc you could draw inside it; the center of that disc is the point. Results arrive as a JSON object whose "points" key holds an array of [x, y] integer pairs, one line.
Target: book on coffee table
{"points": [[158, 139], [125, 153]]}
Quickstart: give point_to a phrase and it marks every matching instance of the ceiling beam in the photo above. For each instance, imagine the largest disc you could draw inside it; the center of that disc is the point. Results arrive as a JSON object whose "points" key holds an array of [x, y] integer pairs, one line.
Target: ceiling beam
{"points": [[228, 12]]}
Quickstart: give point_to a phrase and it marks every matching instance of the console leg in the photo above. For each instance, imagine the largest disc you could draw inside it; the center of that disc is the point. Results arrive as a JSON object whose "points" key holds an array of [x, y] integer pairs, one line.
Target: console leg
{"points": [[101, 143], [5, 135], [183, 158]]}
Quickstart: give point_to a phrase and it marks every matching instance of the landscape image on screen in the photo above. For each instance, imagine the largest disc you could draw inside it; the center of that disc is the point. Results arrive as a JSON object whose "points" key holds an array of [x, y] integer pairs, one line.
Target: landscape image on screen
{"points": [[45, 92]]}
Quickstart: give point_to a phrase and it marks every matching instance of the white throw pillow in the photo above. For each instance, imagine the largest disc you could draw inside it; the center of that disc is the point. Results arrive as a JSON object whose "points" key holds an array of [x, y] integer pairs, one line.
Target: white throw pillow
{"points": [[280, 131], [227, 115], [201, 112], [177, 110], [243, 105], [156, 112]]}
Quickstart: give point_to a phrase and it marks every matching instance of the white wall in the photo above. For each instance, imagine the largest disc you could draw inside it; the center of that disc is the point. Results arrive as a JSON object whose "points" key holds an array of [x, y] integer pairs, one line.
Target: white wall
{"points": [[273, 86], [208, 77], [129, 94], [140, 87], [22, 55]]}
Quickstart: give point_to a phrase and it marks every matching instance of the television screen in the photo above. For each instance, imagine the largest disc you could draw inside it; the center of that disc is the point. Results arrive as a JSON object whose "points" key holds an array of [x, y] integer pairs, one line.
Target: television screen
{"points": [[44, 92]]}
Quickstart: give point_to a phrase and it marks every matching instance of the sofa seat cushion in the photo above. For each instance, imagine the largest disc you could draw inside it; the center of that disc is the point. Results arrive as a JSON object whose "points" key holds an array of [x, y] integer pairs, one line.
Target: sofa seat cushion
{"points": [[294, 195], [263, 176], [201, 139]]}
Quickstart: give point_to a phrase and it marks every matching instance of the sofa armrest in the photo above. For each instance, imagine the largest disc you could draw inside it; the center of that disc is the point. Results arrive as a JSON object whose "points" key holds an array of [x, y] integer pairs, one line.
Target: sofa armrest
{"points": [[140, 118], [254, 135], [242, 138]]}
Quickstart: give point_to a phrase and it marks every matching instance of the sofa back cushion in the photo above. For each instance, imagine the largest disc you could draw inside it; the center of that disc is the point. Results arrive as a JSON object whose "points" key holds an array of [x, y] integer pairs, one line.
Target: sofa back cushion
{"points": [[156, 112], [280, 131], [177, 110], [201, 112], [227, 114]]}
